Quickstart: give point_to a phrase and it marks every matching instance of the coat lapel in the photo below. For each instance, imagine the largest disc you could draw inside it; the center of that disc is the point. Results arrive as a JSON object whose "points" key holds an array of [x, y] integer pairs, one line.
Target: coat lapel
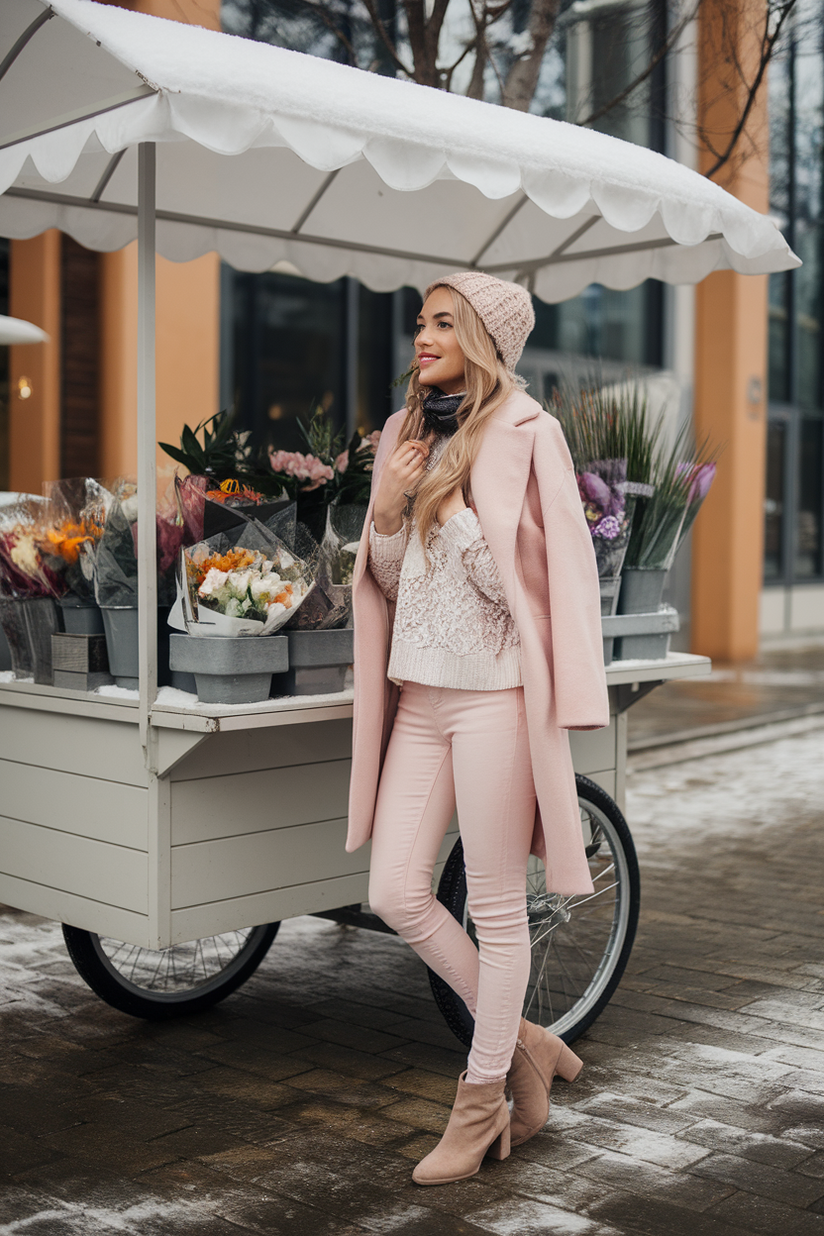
{"points": [[500, 476]]}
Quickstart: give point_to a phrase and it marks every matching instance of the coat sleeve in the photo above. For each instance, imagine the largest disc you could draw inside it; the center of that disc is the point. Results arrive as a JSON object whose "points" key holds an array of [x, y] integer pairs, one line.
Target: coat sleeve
{"points": [[579, 678]]}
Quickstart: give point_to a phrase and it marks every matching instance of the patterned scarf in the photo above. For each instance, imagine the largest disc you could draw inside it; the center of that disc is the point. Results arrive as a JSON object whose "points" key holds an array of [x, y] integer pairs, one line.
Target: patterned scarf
{"points": [[439, 412]]}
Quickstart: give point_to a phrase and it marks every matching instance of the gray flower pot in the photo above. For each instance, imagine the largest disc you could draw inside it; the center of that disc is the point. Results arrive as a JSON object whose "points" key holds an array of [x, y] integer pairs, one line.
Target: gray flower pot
{"points": [[318, 661], [641, 590], [81, 617], [43, 620], [639, 637], [13, 620], [120, 626], [5, 652], [610, 589], [230, 670]]}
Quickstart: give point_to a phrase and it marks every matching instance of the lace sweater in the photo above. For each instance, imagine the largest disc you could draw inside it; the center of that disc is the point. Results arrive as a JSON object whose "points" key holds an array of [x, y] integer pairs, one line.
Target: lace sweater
{"points": [[452, 624]]}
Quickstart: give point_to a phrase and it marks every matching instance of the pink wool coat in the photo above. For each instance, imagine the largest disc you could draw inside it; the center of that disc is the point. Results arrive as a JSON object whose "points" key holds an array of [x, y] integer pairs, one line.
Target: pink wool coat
{"points": [[526, 496]]}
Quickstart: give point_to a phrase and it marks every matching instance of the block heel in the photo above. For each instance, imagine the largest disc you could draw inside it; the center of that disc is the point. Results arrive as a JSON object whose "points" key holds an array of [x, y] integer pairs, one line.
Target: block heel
{"points": [[539, 1057], [569, 1065], [500, 1147]]}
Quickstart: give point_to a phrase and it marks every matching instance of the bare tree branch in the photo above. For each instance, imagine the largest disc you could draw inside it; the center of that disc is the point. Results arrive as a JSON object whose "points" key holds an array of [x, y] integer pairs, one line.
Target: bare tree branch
{"points": [[377, 22], [769, 40], [522, 78], [664, 50]]}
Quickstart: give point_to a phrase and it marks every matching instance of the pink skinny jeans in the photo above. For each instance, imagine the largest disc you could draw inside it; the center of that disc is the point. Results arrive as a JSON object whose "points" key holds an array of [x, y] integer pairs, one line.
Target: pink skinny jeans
{"points": [[468, 747]]}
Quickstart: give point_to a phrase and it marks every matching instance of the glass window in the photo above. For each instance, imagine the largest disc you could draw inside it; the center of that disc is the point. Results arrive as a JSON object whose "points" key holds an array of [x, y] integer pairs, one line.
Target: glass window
{"points": [[795, 449], [810, 498], [288, 354], [774, 500]]}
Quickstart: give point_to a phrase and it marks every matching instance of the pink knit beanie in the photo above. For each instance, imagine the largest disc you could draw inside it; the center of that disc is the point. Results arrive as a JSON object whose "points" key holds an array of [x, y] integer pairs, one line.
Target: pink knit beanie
{"points": [[504, 308]]}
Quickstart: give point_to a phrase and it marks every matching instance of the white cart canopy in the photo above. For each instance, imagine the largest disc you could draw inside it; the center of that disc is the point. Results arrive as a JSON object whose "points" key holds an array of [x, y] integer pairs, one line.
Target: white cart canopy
{"points": [[267, 155]]}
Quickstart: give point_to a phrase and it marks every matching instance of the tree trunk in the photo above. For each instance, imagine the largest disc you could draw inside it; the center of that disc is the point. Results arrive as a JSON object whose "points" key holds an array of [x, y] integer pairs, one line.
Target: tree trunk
{"points": [[522, 79]]}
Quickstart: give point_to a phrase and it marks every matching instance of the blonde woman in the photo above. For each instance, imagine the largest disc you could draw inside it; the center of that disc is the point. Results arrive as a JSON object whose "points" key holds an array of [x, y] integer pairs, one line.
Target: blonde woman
{"points": [[477, 646]]}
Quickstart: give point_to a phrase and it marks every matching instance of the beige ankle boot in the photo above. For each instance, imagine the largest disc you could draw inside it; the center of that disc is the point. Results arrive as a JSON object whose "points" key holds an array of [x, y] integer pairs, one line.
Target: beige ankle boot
{"points": [[539, 1057], [478, 1126]]}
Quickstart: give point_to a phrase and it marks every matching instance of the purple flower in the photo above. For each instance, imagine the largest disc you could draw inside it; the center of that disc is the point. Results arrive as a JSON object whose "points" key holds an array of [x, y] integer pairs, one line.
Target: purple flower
{"points": [[591, 487], [608, 527], [701, 477]]}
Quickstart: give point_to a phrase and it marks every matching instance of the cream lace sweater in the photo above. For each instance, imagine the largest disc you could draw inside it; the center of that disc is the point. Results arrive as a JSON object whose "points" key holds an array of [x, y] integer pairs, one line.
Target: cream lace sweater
{"points": [[452, 625]]}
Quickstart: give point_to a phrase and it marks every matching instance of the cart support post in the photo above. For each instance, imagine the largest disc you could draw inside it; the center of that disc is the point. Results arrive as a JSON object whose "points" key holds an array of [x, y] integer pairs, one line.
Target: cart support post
{"points": [[146, 436]]}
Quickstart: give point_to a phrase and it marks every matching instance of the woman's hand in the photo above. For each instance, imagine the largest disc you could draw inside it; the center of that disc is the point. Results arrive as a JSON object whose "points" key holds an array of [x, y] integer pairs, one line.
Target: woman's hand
{"points": [[401, 474], [452, 504]]}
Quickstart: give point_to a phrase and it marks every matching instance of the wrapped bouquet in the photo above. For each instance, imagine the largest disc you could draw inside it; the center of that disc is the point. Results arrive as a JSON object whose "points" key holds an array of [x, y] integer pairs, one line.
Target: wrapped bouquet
{"points": [[246, 584]]}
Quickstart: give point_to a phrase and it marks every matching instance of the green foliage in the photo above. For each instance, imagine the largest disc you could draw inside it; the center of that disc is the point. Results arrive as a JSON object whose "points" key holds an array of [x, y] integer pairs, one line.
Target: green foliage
{"points": [[613, 421], [223, 451]]}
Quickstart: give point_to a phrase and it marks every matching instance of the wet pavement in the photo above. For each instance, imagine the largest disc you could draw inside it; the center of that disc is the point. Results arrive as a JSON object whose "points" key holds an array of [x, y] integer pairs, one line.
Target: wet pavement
{"points": [[776, 687], [300, 1104]]}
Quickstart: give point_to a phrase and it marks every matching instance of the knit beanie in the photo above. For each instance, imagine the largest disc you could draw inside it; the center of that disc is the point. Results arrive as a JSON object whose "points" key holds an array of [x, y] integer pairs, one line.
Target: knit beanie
{"points": [[504, 308]]}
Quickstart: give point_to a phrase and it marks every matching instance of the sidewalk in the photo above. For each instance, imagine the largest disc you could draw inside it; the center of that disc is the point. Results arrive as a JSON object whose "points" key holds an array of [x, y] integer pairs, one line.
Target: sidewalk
{"points": [[778, 694], [299, 1106]]}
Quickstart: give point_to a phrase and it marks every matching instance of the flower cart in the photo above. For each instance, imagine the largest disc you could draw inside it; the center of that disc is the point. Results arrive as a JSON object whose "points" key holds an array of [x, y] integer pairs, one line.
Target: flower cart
{"points": [[160, 829]]}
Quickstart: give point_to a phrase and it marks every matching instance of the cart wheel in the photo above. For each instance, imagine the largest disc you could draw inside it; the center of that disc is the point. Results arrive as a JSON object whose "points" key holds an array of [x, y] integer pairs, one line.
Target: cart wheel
{"points": [[169, 982], [580, 944]]}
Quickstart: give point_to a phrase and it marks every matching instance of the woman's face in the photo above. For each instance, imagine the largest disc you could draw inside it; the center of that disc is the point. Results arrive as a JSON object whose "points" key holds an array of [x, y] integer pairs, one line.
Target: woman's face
{"points": [[440, 359]]}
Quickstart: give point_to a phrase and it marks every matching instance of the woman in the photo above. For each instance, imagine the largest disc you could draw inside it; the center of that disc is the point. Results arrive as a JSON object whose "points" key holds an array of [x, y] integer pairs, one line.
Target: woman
{"points": [[477, 646]]}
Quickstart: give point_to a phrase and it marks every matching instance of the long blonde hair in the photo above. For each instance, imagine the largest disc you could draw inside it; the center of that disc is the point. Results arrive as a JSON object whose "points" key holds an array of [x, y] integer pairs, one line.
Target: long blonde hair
{"points": [[488, 384]]}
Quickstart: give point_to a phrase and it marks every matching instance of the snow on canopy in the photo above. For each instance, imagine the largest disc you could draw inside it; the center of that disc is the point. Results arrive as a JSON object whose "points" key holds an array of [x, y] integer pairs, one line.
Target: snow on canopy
{"points": [[267, 155]]}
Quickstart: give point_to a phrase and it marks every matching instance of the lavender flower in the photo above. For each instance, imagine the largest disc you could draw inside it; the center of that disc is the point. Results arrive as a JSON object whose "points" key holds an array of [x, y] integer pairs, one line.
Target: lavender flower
{"points": [[608, 527]]}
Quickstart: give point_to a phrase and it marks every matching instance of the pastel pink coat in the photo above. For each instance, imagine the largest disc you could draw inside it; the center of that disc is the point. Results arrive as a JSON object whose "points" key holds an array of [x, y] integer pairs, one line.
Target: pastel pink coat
{"points": [[526, 496]]}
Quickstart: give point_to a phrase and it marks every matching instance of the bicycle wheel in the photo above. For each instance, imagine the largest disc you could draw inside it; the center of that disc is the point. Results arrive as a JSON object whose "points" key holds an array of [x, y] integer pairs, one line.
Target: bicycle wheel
{"points": [[580, 944], [169, 982]]}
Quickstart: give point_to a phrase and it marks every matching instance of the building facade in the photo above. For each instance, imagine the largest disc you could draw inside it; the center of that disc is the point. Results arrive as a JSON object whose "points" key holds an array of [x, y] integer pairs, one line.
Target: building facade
{"points": [[738, 356]]}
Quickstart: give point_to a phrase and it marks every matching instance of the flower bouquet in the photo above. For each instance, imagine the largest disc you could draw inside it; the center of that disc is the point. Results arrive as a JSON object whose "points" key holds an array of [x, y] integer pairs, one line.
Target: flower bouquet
{"points": [[232, 587], [29, 584], [250, 584]]}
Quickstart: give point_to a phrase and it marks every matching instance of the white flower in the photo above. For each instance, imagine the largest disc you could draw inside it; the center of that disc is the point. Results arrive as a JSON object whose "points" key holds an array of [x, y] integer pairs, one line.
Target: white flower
{"points": [[24, 555], [213, 582]]}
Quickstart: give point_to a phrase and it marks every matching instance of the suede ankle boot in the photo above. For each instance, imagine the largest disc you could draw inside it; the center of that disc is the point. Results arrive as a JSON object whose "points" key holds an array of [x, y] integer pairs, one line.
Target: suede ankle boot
{"points": [[478, 1126], [539, 1057]]}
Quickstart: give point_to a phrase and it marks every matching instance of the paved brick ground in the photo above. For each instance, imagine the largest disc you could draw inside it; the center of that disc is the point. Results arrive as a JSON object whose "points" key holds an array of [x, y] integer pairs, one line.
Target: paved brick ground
{"points": [[298, 1107], [777, 685]]}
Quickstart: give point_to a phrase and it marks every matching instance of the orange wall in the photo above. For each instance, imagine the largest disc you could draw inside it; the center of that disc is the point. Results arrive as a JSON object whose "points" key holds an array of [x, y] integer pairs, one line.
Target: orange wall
{"points": [[188, 349], [188, 307], [731, 368], [34, 423]]}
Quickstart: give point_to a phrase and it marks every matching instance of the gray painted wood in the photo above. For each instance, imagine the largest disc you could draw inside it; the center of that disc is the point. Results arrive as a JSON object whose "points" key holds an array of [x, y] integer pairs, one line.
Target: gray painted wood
{"points": [[594, 750], [252, 802], [255, 862], [85, 806], [90, 747], [277, 747], [77, 911], [110, 874]]}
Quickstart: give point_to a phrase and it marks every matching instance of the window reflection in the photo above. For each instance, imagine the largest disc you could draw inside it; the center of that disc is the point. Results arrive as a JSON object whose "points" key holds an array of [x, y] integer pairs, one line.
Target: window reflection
{"points": [[289, 354], [808, 534], [774, 500]]}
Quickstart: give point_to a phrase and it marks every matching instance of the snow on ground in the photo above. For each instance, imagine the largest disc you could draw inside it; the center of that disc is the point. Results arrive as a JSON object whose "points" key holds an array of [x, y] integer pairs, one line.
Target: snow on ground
{"points": [[735, 793]]}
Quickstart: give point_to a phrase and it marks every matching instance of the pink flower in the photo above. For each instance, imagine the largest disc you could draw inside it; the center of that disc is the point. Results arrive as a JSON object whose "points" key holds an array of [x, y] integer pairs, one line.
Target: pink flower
{"points": [[302, 467], [370, 441], [342, 461]]}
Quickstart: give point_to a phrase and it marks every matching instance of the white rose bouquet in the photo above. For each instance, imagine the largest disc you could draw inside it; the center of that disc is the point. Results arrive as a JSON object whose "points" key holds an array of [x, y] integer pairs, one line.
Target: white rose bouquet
{"points": [[251, 587]]}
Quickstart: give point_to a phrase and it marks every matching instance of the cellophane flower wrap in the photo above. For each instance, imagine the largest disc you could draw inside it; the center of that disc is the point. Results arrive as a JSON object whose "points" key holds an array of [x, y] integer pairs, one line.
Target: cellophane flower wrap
{"points": [[330, 605], [113, 560], [609, 510], [246, 582], [79, 508], [29, 569]]}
